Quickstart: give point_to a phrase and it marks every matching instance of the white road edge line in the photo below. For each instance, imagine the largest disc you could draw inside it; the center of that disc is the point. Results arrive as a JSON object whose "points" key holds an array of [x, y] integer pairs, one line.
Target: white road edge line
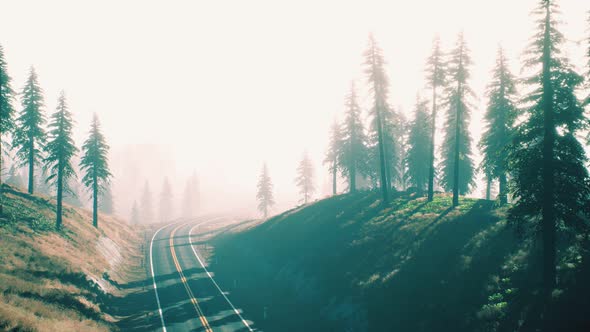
{"points": [[154, 277], [211, 277]]}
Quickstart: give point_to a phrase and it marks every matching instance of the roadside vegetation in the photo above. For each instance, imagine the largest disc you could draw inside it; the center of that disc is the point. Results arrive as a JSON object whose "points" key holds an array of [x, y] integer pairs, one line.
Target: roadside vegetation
{"points": [[62, 280], [350, 263]]}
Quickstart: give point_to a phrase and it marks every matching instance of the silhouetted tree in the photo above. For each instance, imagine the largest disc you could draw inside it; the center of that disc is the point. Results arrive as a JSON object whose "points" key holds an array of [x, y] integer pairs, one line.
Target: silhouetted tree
{"points": [[6, 111], [457, 163], [264, 195], [135, 214], [547, 161], [402, 130], [166, 202], [435, 76], [500, 116], [333, 154], [379, 87], [352, 150], [304, 178], [95, 164], [419, 141], [60, 150], [29, 136], [146, 206]]}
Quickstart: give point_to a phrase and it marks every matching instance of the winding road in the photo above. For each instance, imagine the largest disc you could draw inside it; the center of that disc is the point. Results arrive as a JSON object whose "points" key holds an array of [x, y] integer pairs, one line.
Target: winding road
{"points": [[187, 295]]}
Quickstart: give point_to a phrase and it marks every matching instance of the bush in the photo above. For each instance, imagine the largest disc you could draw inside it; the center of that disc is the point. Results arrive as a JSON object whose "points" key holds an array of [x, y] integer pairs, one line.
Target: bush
{"points": [[41, 224]]}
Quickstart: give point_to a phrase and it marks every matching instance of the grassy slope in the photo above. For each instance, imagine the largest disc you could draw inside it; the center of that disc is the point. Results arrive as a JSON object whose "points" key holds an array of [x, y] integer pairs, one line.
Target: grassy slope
{"points": [[49, 281], [346, 263]]}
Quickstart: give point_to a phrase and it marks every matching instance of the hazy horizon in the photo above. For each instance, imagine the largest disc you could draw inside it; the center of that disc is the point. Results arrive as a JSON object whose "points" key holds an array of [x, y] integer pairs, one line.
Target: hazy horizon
{"points": [[218, 88]]}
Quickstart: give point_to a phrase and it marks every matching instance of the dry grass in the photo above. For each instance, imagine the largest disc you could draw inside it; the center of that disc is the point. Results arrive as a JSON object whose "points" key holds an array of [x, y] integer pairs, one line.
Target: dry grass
{"points": [[45, 275]]}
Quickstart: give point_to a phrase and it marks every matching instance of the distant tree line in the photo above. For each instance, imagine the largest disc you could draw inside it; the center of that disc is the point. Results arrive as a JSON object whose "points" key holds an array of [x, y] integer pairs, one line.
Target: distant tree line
{"points": [[48, 150], [533, 143]]}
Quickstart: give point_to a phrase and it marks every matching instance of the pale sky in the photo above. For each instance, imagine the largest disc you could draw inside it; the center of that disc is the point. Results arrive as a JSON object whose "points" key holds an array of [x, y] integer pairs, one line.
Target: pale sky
{"points": [[222, 86]]}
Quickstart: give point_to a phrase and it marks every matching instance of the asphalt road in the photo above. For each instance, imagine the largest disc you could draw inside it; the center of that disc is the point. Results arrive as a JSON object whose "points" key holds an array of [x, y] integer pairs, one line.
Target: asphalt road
{"points": [[189, 299]]}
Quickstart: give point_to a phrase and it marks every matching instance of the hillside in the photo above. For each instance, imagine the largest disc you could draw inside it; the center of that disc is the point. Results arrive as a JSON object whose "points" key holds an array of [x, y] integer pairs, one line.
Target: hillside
{"points": [[62, 281], [348, 264]]}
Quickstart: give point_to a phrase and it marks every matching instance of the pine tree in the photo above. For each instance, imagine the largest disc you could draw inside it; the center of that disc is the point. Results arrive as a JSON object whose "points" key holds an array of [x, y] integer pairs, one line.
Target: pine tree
{"points": [[419, 141], [135, 220], [547, 162], [6, 111], [166, 202], [379, 86], [95, 164], [60, 150], [500, 116], [402, 129], [435, 75], [29, 136], [333, 154], [304, 178], [146, 207], [392, 132], [352, 152], [457, 163], [265, 195]]}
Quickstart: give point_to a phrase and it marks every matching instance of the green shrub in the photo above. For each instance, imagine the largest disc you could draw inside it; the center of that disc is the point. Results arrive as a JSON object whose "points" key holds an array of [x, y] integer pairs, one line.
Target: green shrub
{"points": [[41, 224]]}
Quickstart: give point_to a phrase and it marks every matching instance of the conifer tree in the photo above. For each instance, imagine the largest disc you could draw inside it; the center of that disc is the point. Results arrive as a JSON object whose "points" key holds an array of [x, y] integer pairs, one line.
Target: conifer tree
{"points": [[265, 196], [353, 150], [60, 150], [457, 163], [435, 75], [135, 219], [29, 136], [304, 178], [95, 164], [333, 155], [166, 202], [500, 116], [146, 206], [419, 140], [379, 86], [551, 183], [6, 111], [400, 169]]}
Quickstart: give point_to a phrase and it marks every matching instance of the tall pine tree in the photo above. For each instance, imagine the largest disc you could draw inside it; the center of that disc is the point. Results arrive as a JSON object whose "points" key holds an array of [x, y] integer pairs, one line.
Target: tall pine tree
{"points": [[435, 75], [353, 150], [304, 179], [333, 154], [379, 87], [419, 140], [552, 186], [95, 164], [500, 116], [457, 163], [264, 195], [6, 111], [146, 207], [135, 219], [60, 150], [29, 136]]}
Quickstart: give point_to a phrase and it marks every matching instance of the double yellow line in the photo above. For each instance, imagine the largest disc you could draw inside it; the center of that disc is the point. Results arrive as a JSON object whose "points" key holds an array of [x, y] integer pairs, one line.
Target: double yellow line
{"points": [[186, 286]]}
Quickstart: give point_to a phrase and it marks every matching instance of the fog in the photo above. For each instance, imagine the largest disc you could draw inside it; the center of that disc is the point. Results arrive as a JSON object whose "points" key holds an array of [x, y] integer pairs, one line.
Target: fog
{"points": [[220, 87]]}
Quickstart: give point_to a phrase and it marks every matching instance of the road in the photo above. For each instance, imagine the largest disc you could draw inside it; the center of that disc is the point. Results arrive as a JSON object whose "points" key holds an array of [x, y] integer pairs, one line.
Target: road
{"points": [[188, 297]]}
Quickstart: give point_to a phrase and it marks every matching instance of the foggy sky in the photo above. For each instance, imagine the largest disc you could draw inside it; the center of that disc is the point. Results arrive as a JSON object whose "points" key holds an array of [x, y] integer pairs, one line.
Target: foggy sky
{"points": [[219, 87]]}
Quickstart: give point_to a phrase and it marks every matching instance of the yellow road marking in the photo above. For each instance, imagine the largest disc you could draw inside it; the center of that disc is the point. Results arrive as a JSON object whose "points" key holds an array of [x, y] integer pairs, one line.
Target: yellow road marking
{"points": [[186, 286]]}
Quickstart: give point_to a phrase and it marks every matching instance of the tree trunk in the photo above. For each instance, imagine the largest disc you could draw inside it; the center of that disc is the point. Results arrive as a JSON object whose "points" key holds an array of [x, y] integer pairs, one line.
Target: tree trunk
{"points": [[334, 178], [503, 190], [488, 188], [432, 133], [352, 180], [384, 189], [58, 221], [95, 200], [548, 213], [457, 159], [31, 166]]}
